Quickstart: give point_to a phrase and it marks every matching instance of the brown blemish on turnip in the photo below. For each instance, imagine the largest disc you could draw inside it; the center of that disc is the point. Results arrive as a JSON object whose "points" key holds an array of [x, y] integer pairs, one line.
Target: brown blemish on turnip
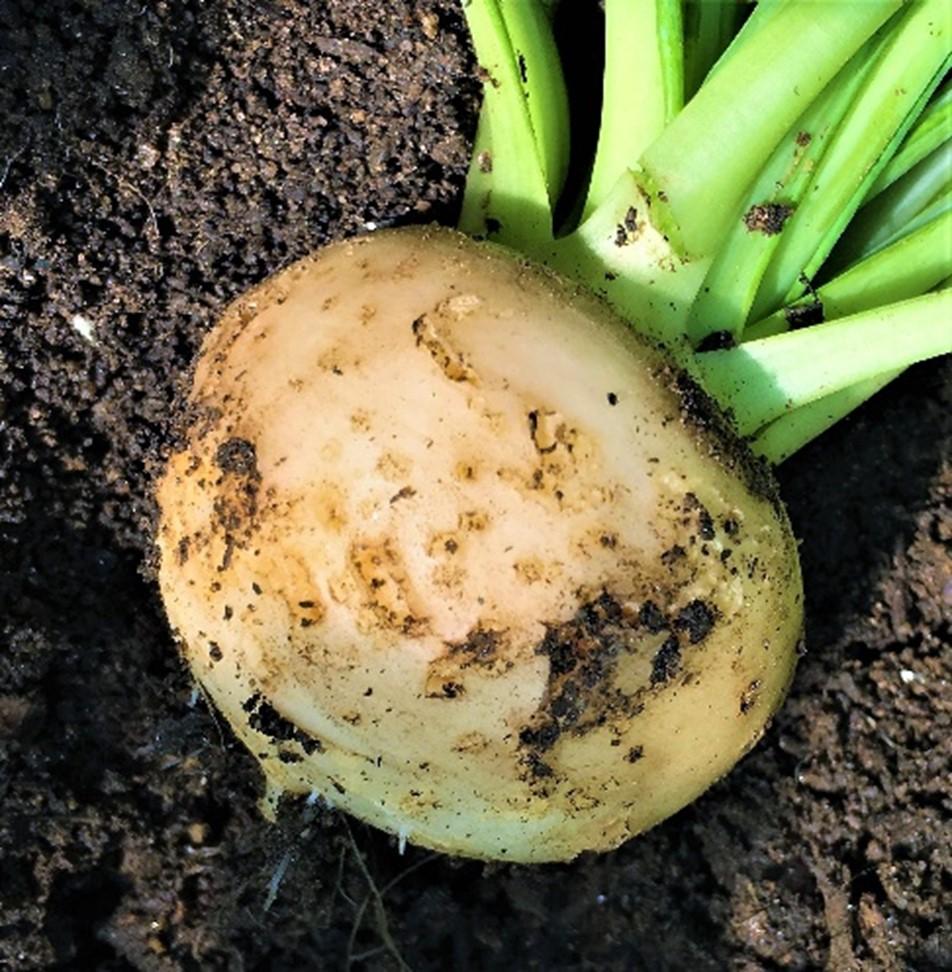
{"points": [[530, 570], [360, 420], [443, 543], [667, 661], [473, 521], [485, 650], [581, 694], [471, 742], [466, 470], [263, 717], [330, 507], [544, 429], [749, 696], [235, 506], [393, 466], [431, 332], [387, 590]]}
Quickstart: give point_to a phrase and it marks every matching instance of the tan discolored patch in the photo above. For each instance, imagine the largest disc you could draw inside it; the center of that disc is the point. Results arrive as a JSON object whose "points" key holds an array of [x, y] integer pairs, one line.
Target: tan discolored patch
{"points": [[330, 507], [387, 589], [549, 431], [342, 588], [444, 544], [466, 470], [393, 466], [473, 521], [431, 333], [749, 697], [449, 577], [533, 570], [471, 742], [360, 420], [332, 360], [484, 651], [545, 428]]}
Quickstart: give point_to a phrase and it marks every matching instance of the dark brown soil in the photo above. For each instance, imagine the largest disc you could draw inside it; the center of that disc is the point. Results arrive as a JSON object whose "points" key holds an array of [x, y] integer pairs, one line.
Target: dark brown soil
{"points": [[156, 159]]}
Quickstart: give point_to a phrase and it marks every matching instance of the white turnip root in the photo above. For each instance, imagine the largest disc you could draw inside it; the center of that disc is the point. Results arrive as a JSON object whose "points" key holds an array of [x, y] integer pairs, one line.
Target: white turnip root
{"points": [[450, 545]]}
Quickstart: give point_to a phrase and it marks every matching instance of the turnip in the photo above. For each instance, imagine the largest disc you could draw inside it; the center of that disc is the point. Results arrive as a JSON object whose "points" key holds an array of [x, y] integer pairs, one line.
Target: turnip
{"points": [[454, 546]]}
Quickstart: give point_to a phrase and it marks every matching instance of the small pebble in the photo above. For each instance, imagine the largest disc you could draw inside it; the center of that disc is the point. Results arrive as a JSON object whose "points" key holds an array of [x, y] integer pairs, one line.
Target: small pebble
{"points": [[198, 833], [83, 326]]}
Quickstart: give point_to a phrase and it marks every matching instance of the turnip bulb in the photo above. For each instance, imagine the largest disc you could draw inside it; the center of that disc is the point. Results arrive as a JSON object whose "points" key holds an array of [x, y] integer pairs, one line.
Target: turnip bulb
{"points": [[450, 545], [456, 548]]}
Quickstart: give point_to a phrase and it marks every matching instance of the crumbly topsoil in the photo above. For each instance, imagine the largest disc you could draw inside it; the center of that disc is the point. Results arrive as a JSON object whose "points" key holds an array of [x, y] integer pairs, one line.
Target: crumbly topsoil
{"points": [[156, 159]]}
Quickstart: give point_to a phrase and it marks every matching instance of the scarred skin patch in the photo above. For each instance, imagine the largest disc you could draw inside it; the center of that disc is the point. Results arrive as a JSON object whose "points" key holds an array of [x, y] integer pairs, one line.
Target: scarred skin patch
{"points": [[388, 590], [431, 335]]}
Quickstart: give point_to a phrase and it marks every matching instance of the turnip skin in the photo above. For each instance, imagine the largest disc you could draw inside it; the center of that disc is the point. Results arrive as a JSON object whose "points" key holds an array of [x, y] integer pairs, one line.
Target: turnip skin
{"points": [[437, 524]]}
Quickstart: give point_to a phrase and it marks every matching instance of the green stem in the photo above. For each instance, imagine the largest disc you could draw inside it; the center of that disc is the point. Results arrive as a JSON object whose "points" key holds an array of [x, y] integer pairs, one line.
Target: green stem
{"points": [[913, 265], [647, 247], [656, 229], [707, 157], [623, 252], [540, 73], [506, 195], [761, 380], [788, 434], [643, 86], [932, 129], [922, 191], [708, 30], [906, 73], [760, 15], [731, 284]]}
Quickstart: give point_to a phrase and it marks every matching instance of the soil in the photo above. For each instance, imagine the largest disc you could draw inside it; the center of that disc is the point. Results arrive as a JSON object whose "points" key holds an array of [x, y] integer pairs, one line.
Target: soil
{"points": [[156, 159]]}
